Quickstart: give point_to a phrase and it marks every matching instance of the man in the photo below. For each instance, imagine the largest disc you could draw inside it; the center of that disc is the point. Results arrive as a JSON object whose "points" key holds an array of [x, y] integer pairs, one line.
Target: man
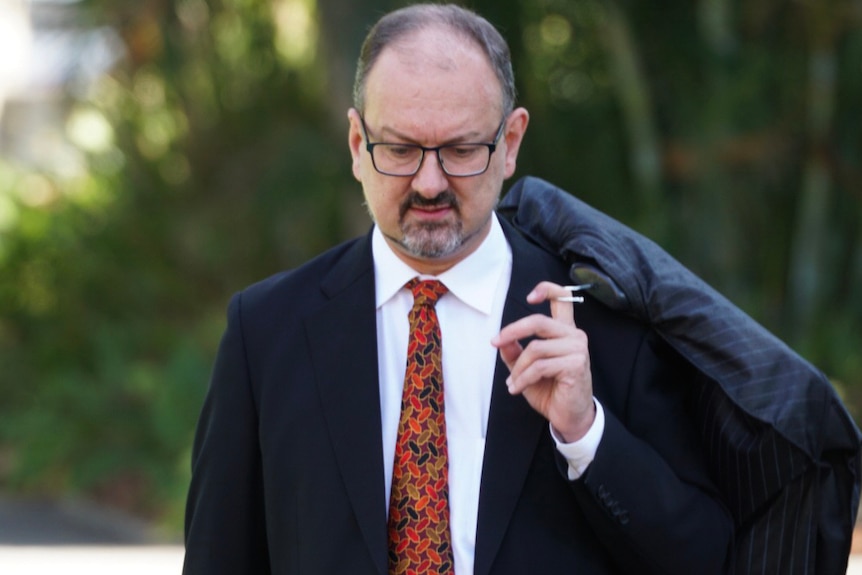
{"points": [[567, 448]]}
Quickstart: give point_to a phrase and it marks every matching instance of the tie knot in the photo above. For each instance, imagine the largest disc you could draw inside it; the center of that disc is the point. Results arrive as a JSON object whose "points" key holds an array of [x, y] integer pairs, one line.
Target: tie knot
{"points": [[426, 292]]}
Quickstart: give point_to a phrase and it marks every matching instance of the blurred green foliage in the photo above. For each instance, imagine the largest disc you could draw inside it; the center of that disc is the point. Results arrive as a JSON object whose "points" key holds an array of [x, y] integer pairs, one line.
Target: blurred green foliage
{"points": [[215, 154]]}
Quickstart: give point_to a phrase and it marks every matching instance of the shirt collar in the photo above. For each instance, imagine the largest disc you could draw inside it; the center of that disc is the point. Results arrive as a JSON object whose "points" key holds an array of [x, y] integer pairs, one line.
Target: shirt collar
{"points": [[473, 280]]}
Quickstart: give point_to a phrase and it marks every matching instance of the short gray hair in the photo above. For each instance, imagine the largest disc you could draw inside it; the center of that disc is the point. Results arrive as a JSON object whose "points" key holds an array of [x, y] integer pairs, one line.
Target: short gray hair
{"points": [[399, 23]]}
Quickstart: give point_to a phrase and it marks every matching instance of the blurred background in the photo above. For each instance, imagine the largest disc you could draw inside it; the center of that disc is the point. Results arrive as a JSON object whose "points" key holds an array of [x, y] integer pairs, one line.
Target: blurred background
{"points": [[158, 155]]}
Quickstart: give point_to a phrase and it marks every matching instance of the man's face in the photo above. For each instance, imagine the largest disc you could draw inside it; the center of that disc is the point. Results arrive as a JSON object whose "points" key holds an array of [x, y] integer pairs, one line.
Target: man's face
{"points": [[434, 88]]}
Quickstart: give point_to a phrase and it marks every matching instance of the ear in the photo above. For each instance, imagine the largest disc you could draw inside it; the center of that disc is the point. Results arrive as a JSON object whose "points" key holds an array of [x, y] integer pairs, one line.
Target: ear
{"points": [[516, 127], [355, 141]]}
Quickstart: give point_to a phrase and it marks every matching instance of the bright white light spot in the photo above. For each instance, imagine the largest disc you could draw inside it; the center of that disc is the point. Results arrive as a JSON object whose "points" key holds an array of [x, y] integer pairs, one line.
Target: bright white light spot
{"points": [[88, 129], [15, 47]]}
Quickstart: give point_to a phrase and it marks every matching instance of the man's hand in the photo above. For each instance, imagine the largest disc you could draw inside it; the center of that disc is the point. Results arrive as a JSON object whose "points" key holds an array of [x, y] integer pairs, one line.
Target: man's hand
{"points": [[553, 371]]}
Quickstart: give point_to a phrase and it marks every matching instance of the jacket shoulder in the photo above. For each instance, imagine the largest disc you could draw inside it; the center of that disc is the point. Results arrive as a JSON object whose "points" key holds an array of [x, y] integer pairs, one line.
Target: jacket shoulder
{"points": [[310, 283]]}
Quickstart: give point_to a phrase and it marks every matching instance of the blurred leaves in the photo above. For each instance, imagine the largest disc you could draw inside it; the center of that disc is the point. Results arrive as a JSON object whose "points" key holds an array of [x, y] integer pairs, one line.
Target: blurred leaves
{"points": [[204, 170]]}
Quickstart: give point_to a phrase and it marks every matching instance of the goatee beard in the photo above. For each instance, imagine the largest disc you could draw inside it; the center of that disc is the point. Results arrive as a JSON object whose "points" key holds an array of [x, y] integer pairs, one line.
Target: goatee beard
{"points": [[431, 240]]}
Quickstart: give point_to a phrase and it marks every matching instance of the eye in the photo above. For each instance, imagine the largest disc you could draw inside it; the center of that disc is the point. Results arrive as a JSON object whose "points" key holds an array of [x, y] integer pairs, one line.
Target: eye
{"points": [[462, 152], [399, 152]]}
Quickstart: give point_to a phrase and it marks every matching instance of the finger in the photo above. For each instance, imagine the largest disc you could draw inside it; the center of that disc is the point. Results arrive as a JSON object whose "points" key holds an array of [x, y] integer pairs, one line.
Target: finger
{"points": [[536, 325], [569, 355], [548, 291], [544, 371], [572, 347]]}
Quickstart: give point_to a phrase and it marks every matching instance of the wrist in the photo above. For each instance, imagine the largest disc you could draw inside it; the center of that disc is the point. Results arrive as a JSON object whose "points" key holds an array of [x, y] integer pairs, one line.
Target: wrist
{"points": [[576, 430]]}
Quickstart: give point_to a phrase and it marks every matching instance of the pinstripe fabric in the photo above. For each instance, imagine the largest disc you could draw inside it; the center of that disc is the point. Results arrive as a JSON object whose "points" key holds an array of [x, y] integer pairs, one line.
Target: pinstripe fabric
{"points": [[782, 448], [766, 483]]}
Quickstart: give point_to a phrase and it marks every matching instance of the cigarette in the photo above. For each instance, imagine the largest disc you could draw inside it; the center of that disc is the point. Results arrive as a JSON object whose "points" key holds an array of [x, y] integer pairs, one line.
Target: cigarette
{"points": [[573, 289]]}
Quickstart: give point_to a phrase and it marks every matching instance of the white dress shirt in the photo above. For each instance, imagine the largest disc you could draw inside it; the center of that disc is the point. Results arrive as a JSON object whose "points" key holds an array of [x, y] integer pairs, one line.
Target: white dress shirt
{"points": [[470, 315]]}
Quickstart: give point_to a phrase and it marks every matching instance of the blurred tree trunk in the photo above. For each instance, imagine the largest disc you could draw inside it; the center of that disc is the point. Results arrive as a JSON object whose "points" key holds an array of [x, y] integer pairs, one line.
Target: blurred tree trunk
{"points": [[808, 262], [633, 94], [719, 249], [716, 26], [343, 26]]}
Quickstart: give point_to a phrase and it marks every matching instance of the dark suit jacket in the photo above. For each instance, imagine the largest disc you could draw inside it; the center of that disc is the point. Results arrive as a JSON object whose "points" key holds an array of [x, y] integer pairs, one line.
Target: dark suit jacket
{"points": [[288, 471]]}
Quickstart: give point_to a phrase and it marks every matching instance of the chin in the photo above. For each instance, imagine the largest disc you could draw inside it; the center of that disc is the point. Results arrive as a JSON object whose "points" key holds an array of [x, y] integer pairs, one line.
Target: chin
{"points": [[432, 244]]}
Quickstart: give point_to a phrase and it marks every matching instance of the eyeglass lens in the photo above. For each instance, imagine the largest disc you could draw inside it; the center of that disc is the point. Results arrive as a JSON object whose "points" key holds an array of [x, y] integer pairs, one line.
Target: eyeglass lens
{"points": [[457, 159]]}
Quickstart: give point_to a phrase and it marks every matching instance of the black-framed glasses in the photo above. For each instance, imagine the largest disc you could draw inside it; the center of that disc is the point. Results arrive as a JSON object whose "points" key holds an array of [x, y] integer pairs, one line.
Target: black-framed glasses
{"points": [[458, 160]]}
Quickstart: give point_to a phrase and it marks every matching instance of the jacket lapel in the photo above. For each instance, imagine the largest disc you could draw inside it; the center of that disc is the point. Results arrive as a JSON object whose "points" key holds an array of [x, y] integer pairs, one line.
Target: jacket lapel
{"points": [[343, 343], [514, 428]]}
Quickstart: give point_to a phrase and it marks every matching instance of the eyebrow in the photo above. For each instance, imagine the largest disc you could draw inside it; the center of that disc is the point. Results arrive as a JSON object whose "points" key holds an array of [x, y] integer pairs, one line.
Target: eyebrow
{"points": [[393, 133]]}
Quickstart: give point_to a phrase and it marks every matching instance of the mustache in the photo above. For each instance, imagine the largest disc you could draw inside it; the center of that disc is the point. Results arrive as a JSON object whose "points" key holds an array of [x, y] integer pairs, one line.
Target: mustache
{"points": [[445, 199]]}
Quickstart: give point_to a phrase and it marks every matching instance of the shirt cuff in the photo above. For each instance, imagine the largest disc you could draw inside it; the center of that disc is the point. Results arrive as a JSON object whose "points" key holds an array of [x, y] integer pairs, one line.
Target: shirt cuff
{"points": [[581, 453]]}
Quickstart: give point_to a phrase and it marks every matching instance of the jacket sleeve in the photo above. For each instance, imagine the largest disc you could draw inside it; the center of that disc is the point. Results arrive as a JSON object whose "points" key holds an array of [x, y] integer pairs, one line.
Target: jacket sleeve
{"points": [[225, 525]]}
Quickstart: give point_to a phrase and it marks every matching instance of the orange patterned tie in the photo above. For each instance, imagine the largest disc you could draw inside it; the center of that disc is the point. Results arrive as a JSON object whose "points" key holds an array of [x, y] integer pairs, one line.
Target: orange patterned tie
{"points": [[419, 539]]}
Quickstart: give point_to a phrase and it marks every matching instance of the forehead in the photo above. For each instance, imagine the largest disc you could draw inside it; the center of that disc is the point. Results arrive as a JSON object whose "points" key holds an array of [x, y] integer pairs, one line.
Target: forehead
{"points": [[433, 75]]}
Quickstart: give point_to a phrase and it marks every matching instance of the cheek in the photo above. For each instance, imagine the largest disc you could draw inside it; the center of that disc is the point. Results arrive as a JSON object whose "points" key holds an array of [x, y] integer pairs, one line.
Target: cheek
{"points": [[478, 202], [382, 201]]}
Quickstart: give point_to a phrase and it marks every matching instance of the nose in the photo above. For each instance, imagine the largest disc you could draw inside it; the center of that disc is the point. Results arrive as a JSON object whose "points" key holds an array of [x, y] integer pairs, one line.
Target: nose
{"points": [[430, 180]]}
